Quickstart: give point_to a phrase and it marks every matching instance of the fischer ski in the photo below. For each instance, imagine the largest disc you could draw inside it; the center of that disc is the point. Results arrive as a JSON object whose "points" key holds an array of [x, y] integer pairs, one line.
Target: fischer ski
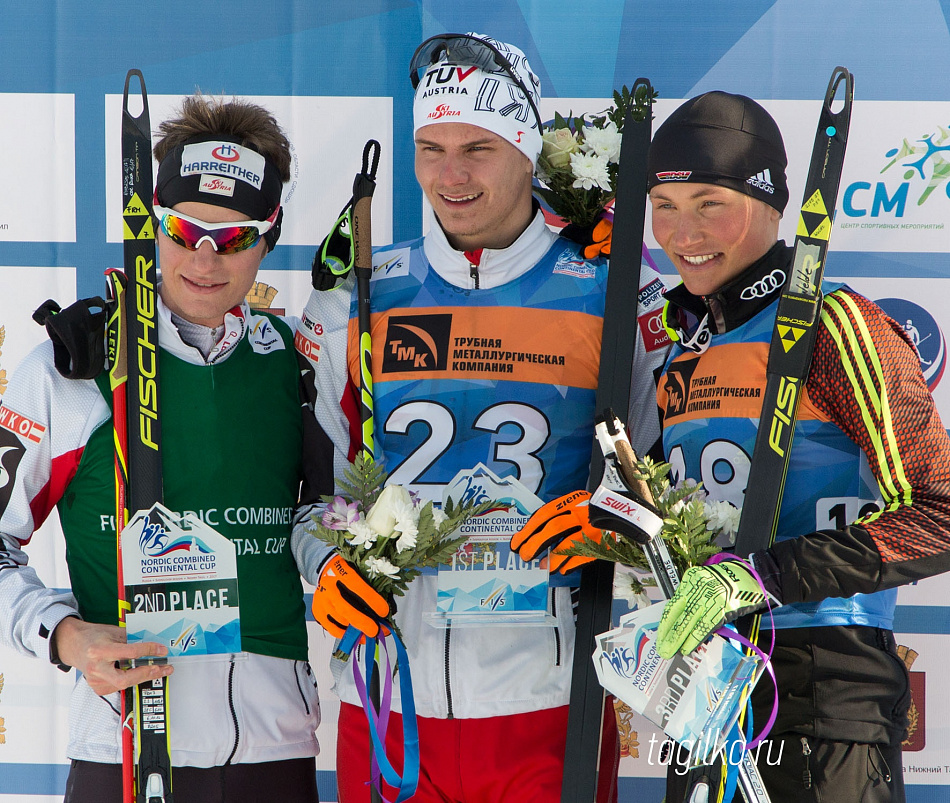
{"points": [[133, 377], [796, 324], [618, 342]]}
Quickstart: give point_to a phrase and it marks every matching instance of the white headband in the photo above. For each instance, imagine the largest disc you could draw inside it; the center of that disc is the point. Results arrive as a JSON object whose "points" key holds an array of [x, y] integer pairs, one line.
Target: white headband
{"points": [[457, 93]]}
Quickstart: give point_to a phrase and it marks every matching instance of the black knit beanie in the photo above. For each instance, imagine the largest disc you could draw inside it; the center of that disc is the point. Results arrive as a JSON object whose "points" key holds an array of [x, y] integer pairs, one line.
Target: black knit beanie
{"points": [[723, 139]]}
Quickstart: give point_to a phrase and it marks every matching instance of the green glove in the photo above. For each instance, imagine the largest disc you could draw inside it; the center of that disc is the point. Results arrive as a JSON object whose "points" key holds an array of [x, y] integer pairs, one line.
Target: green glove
{"points": [[707, 598]]}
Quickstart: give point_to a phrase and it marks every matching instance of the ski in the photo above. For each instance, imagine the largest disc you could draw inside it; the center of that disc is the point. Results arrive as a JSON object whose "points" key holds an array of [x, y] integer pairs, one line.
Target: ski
{"points": [[133, 347], [793, 338], [586, 712], [796, 323]]}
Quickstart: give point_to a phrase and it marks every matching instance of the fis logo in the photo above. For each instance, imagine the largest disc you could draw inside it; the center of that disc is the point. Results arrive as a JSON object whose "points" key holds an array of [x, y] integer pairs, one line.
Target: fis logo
{"points": [[782, 414], [416, 343], [186, 640], [391, 263], [495, 601]]}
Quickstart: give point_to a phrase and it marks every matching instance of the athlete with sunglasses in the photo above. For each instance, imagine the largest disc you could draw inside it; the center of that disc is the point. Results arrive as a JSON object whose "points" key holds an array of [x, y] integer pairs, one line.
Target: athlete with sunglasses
{"points": [[492, 700], [235, 450]]}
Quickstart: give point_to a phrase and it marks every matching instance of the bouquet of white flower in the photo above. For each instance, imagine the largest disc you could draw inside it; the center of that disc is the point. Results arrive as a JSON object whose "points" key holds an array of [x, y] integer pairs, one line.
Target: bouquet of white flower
{"points": [[580, 157], [691, 527], [387, 533]]}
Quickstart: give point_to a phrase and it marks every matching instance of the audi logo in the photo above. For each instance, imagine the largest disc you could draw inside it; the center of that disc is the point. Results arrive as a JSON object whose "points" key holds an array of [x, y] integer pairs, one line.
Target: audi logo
{"points": [[764, 286]]}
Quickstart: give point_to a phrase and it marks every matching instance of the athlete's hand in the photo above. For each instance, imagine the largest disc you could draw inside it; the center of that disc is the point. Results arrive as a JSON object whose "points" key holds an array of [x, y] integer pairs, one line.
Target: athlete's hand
{"points": [[595, 238], [560, 524], [97, 650], [343, 598], [707, 598]]}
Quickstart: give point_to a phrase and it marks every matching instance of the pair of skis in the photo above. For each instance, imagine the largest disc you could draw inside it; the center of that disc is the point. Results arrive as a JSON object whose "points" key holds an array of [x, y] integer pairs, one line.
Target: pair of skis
{"points": [[132, 343]]}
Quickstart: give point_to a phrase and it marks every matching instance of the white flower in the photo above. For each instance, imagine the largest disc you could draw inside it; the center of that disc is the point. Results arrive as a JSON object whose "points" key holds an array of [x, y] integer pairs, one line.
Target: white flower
{"points": [[624, 590], [378, 566], [407, 539], [723, 517], [438, 516], [363, 535], [558, 145], [382, 515], [604, 142], [590, 170]]}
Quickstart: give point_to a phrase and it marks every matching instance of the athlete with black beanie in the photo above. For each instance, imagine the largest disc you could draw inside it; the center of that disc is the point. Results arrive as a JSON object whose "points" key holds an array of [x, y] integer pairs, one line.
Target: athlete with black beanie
{"points": [[868, 441]]}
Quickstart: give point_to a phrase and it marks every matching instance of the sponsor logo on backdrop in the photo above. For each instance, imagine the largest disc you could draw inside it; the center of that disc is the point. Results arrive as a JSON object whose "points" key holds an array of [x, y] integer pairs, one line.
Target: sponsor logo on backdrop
{"points": [[260, 298], [3, 730], [910, 175], [923, 331], [629, 738], [916, 732]]}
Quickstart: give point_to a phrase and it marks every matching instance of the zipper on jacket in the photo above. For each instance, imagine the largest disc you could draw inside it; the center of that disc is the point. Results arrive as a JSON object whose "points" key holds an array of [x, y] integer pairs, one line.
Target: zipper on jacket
{"points": [[474, 260], [448, 683], [234, 719], [806, 772], [306, 705], [557, 632]]}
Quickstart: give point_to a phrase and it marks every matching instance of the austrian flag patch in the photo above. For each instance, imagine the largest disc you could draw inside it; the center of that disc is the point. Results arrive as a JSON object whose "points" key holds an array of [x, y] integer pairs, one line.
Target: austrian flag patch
{"points": [[21, 425]]}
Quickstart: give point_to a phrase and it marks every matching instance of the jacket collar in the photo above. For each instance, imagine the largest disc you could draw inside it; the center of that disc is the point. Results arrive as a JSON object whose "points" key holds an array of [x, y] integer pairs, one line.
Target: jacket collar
{"points": [[697, 317]]}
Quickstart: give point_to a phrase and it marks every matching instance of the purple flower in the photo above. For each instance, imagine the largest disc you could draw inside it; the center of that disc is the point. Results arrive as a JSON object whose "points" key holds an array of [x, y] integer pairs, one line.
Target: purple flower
{"points": [[339, 515]]}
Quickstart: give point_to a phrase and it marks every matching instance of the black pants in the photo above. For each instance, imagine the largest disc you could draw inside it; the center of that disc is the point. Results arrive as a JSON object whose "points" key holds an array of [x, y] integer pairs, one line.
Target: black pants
{"points": [[292, 781], [802, 769]]}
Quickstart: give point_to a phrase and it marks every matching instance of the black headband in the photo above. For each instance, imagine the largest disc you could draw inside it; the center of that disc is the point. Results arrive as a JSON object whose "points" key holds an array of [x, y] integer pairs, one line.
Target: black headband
{"points": [[219, 171]]}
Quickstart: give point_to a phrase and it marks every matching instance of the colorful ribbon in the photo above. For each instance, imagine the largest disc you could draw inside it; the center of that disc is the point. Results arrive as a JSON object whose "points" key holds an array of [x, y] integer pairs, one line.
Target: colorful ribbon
{"points": [[378, 721]]}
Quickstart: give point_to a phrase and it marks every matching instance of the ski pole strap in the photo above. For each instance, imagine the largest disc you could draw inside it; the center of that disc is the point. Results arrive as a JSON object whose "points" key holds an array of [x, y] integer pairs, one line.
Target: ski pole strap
{"points": [[796, 324], [378, 721], [731, 633]]}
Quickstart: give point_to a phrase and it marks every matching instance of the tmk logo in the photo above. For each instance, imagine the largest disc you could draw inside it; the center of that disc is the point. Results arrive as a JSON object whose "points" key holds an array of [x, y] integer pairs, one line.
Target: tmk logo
{"points": [[417, 343], [226, 152], [925, 167]]}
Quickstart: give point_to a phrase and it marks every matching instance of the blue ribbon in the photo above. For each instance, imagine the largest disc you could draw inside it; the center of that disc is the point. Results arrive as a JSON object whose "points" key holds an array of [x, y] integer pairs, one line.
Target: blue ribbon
{"points": [[378, 721]]}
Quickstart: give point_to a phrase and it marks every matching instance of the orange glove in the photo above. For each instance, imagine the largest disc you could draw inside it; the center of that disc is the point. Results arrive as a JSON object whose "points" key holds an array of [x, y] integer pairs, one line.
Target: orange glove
{"points": [[558, 524], [343, 598], [600, 236]]}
